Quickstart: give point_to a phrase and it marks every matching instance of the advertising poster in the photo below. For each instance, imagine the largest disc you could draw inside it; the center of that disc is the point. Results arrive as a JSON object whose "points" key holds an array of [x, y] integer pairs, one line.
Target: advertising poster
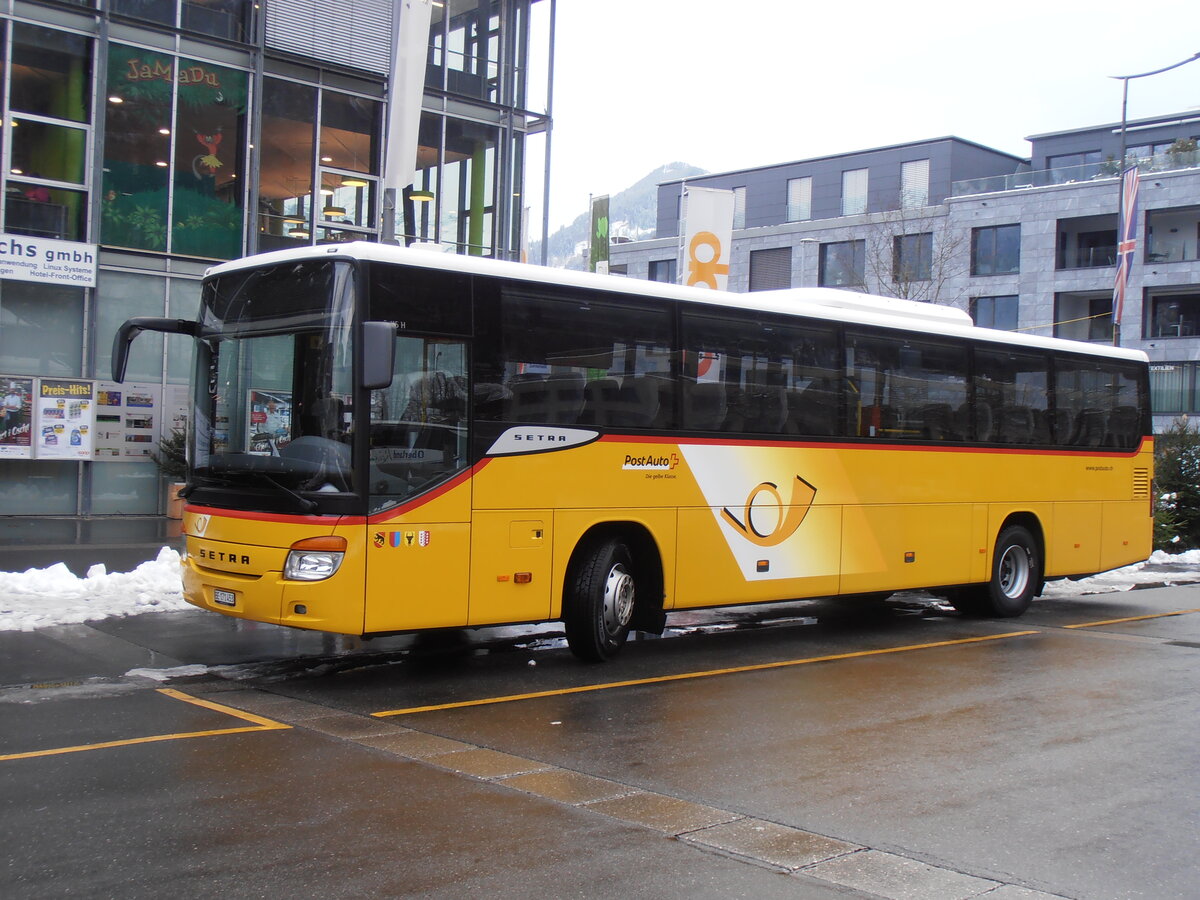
{"points": [[270, 424], [128, 421], [16, 417], [65, 419]]}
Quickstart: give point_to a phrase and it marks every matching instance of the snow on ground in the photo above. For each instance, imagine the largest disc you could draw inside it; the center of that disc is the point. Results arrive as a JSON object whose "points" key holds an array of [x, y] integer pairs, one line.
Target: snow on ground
{"points": [[39, 598]]}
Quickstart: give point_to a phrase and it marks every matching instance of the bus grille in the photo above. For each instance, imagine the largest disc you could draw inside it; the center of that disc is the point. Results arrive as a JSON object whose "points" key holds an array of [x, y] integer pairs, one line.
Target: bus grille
{"points": [[1141, 484]]}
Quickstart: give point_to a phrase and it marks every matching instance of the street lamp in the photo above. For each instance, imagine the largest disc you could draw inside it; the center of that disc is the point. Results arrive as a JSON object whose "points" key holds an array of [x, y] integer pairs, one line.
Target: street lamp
{"points": [[1125, 79]]}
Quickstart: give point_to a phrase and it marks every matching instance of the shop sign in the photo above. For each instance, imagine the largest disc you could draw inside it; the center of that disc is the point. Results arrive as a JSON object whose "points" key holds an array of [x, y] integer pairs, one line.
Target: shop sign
{"points": [[47, 261]]}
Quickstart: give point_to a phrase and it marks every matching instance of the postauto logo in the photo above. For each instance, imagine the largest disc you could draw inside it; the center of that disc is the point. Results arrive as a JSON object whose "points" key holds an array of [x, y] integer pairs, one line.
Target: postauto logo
{"points": [[650, 461]]}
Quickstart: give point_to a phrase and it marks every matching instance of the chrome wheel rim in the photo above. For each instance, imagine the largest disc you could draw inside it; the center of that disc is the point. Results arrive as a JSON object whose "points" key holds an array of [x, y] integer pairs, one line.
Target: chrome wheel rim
{"points": [[618, 599], [1014, 572]]}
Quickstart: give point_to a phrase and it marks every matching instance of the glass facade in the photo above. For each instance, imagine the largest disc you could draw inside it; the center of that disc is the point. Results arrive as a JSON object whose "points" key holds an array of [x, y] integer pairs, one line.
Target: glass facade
{"points": [[189, 140]]}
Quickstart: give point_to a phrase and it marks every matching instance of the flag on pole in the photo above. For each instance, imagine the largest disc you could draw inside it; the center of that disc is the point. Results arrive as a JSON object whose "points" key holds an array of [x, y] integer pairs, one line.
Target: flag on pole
{"points": [[705, 237], [598, 242], [1126, 239]]}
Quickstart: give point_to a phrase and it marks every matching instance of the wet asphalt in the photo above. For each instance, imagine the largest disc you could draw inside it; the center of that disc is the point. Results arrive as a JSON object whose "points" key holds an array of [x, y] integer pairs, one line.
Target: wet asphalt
{"points": [[804, 750]]}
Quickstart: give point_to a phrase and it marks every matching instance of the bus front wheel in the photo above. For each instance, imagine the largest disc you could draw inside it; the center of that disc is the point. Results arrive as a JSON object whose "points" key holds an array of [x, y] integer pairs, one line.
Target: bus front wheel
{"points": [[1016, 577], [598, 604]]}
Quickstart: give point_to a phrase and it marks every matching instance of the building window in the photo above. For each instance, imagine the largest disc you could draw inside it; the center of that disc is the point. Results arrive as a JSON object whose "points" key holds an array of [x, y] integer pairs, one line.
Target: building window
{"points": [[219, 18], [1173, 235], [1083, 316], [739, 208], [174, 154], [662, 270], [1173, 388], [842, 264], [317, 133], [995, 312], [1087, 242], [771, 270], [914, 184], [1068, 167], [799, 199], [912, 257], [1174, 314], [41, 328], [996, 250], [50, 109], [854, 192]]}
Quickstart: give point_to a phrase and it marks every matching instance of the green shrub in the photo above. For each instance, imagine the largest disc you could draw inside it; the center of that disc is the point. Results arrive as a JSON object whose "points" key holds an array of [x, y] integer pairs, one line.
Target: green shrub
{"points": [[1177, 487]]}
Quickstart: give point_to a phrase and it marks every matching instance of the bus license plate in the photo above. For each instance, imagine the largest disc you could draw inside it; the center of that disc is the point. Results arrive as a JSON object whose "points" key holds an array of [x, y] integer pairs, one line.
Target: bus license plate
{"points": [[224, 598]]}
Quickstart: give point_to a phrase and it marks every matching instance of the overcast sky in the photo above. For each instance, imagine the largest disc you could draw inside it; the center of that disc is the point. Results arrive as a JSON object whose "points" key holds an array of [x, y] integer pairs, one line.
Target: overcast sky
{"points": [[728, 85]]}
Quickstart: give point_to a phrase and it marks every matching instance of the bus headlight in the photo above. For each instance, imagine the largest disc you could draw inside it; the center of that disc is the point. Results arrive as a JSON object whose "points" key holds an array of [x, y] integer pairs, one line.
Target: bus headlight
{"points": [[314, 559]]}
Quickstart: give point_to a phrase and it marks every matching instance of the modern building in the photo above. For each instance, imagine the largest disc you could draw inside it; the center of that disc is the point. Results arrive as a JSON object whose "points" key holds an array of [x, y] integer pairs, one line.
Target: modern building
{"points": [[1026, 244], [145, 140]]}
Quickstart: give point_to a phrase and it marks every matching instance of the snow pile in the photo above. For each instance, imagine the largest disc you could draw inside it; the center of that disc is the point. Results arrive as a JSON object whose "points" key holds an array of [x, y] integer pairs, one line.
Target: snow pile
{"points": [[1161, 568], [38, 598]]}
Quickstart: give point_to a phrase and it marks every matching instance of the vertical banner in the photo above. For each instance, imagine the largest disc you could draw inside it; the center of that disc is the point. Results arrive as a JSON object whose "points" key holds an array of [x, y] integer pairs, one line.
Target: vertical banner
{"points": [[706, 237], [598, 242], [65, 419], [16, 417], [410, 40], [1126, 243]]}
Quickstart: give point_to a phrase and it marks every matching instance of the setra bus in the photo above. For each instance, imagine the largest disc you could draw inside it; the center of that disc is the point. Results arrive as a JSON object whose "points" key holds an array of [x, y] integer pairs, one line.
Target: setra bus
{"points": [[388, 440]]}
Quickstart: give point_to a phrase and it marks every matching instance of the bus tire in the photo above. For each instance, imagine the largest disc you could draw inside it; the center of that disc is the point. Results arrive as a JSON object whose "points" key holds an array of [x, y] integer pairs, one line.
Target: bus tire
{"points": [[1016, 577], [598, 604]]}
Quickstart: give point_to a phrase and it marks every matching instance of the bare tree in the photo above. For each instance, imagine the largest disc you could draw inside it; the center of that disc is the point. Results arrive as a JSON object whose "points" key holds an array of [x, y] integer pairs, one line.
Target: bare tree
{"points": [[911, 254]]}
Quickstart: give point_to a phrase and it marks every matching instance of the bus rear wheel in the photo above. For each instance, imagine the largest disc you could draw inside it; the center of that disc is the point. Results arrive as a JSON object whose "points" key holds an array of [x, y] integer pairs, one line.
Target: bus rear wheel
{"points": [[1016, 577], [598, 604]]}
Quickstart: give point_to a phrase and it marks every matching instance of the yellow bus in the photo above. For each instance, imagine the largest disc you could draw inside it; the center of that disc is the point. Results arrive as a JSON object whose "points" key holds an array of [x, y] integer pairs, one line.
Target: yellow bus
{"points": [[388, 440]]}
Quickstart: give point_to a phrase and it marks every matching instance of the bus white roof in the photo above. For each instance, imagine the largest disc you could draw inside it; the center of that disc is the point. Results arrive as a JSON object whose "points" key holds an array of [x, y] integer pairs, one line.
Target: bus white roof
{"points": [[819, 303]]}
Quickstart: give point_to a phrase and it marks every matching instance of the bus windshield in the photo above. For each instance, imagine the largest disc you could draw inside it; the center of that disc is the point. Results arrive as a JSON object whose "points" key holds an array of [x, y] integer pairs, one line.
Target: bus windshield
{"points": [[274, 389]]}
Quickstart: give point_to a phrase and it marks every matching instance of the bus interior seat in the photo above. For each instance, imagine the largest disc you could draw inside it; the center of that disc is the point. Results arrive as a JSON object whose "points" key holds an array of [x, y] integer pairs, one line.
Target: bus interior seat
{"points": [[1122, 430], [601, 402], [704, 406], [813, 410], [767, 409], [1016, 425], [984, 422], [639, 400], [1090, 428], [564, 398], [938, 422], [527, 400]]}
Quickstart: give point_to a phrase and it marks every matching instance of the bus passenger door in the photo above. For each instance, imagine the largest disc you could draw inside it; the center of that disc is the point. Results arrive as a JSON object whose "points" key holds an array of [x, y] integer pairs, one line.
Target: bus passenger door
{"points": [[510, 566]]}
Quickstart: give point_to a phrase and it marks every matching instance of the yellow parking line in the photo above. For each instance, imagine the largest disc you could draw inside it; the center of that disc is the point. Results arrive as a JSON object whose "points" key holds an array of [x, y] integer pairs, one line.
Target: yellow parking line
{"points": [[260, 724], [684, 676], [1178, 612]]}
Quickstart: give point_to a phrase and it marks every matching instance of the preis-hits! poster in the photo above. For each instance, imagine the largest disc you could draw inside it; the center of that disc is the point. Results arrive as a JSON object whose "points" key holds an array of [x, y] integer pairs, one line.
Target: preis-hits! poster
{"points": [[65, 410]]}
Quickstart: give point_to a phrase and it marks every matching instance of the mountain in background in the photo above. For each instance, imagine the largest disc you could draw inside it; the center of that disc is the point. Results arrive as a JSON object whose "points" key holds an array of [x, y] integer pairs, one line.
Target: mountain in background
{"points": [[633, 213]]}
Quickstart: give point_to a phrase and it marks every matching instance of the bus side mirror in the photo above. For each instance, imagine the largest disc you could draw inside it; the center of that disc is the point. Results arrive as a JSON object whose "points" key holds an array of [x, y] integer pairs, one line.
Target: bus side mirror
{"points": [[133, 327], [378, 354]]}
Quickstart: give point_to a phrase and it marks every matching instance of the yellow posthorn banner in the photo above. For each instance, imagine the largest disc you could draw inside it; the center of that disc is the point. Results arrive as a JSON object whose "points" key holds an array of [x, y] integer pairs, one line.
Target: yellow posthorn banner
{"points": [[706, 235]]}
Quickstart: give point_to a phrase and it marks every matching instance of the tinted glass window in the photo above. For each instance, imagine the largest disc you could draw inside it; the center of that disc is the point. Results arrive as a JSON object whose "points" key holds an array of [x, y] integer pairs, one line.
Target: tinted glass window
{"points": [[420, 299], [772, 376], [579, 358], [901, 389], [1012, 397], [1098, 403]]}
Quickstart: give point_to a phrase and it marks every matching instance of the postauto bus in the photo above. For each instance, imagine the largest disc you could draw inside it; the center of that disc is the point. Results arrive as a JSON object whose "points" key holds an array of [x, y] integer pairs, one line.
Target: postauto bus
{"points": [[387, 440]]}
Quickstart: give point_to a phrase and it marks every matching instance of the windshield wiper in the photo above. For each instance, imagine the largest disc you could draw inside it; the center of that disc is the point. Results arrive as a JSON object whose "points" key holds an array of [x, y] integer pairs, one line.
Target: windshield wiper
{"points": [[305, 504]]}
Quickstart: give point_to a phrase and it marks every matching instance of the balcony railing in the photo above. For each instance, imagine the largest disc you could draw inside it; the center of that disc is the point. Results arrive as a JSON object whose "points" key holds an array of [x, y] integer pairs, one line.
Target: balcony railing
{"points": [[1160, 162]]}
